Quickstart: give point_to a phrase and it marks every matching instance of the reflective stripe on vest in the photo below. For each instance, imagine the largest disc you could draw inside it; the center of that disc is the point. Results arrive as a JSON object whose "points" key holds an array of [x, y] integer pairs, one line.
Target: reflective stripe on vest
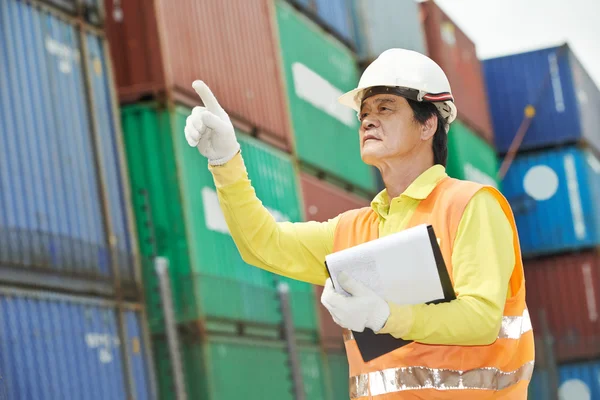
{"points": [[415, 378], [512, 327]]}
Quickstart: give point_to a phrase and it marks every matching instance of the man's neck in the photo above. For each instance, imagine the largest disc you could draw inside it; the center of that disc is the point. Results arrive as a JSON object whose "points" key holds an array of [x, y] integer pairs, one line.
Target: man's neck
{"points": [[398, 174]]}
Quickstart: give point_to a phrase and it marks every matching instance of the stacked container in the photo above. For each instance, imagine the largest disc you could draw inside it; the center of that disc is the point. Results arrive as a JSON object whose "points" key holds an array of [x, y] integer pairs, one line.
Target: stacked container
{"points": [[553, 184], [456, 54], [65, 226], [264, 63]]}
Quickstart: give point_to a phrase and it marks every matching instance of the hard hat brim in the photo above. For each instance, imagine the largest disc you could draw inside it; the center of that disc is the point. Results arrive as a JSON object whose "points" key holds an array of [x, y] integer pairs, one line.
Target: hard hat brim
{"points": [[348, 99]]}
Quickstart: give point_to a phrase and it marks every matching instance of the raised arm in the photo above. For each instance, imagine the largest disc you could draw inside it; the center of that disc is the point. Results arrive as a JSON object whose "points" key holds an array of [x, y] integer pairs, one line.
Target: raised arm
{"points": [[295, 250]]}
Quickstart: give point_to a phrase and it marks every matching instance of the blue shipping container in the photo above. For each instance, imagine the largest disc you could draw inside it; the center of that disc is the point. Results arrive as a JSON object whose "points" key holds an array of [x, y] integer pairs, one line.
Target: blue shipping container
{"points": [[60, 347], [552, 80], [384, 24], [50, 202], [336, 15], [91, 10], [579, 381], [554, 196]]}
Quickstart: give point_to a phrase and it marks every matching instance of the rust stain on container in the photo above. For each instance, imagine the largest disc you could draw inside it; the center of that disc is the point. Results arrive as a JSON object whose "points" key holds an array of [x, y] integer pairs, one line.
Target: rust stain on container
{"points": [[231, 45], [323, 201], [452, 49], [567, 288]]}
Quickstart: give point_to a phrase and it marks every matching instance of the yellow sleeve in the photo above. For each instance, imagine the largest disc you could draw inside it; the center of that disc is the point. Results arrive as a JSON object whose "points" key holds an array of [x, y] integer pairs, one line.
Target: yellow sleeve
{"points": [[483, 260], [295, 250]]}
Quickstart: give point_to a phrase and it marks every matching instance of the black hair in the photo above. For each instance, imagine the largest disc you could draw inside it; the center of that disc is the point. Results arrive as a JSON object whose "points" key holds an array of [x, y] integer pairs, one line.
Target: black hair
{"points": [[422, 112]]}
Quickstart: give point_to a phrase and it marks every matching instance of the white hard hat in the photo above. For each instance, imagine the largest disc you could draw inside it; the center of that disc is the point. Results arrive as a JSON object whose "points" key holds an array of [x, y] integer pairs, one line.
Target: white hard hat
{"points": [[408, 74]]}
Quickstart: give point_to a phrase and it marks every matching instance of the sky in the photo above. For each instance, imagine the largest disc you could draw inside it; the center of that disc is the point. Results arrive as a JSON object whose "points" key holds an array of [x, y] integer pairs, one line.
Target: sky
{"points": [[500, 27]]}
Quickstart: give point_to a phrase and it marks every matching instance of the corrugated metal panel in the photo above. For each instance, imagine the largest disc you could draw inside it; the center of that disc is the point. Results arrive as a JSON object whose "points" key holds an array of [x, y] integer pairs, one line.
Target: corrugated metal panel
{"points": [[58, 347], [105, 128], [313, 373], [139, 364], [325, 131], [260, 369], [567, 288], [544, 79], [333, 15], [242, 31], [336, 15], [456, 54], [52, 208], [553, 195], [385, 24], [338, 372], [323, 201], [539, 387], [91, 10], [588, 101], [470, 157], [179, 217], [580, 381]]}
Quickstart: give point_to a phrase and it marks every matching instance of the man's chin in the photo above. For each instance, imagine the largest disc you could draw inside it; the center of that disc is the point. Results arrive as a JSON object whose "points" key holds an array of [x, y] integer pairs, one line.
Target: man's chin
{"points": [[369, 157]]}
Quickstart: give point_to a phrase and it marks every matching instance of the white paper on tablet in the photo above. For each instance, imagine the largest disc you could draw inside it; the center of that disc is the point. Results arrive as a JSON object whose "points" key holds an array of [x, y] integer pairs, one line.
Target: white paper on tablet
{"points": [[401, 267]]}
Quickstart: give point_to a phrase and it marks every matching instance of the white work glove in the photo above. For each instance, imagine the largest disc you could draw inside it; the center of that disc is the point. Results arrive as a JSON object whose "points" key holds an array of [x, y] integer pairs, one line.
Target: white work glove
{"points": [[209, 128], [363, 309]]}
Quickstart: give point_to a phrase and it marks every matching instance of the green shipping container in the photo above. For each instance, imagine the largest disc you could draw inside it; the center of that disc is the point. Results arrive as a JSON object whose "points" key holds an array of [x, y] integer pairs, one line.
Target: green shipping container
{"points": [[318, 69], [470, 157], [178, 217], [337, 363], [228, 368]]}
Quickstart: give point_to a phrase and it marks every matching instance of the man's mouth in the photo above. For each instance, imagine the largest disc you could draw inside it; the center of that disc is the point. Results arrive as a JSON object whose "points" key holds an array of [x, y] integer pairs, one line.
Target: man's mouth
{"points": [[369, 137]]}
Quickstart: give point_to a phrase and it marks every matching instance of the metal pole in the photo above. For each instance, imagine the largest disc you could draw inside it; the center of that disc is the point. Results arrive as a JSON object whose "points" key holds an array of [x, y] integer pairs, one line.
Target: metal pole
{"points": [[550, 360], [162, 269], [290, 338]]}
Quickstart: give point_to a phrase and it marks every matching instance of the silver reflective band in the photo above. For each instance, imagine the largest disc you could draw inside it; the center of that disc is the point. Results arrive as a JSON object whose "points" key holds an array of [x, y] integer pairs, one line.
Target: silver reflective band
{"points": [[348, 335], [514, 327], [416, 378]]}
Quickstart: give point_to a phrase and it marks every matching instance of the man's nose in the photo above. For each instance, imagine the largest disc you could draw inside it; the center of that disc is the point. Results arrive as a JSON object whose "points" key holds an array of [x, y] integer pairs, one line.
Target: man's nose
{"points": [[369, 123]]}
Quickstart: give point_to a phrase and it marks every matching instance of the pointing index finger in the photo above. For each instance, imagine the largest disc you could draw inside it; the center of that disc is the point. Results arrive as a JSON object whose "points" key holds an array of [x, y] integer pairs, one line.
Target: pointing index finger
{"points": [[208, 98]]}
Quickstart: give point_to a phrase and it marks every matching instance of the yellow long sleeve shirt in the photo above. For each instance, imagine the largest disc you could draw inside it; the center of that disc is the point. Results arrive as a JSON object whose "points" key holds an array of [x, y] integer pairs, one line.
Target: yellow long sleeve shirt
{"points": [[483, 254]]}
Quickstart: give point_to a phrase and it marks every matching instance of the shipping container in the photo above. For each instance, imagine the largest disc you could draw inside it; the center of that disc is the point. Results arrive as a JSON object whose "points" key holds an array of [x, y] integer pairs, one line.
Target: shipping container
{"points": [[51, 188], [159, 49], [580, 381], [326, 133], [455, 52], [470, 157], [566, 288], [384, 24], [554, 195], [539, 386], [337, 364], [323, 201], [91, 11], [179, 217], [58, 347], [565, 98], [333, 15], [261, 369]]}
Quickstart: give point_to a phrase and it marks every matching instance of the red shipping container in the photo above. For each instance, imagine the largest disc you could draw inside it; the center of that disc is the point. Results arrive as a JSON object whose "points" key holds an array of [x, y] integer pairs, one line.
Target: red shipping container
{"points": [[448, 46], [160, 48], [323, 201], [566, 289]]}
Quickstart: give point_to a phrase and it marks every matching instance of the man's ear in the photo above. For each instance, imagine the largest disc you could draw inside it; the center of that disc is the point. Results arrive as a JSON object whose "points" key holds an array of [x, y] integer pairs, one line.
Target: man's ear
{"points": [[429, 128]]}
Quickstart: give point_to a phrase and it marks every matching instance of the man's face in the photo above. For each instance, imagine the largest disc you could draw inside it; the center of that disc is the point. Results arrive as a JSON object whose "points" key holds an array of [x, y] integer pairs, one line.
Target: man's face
{"points": [[387, 128]]}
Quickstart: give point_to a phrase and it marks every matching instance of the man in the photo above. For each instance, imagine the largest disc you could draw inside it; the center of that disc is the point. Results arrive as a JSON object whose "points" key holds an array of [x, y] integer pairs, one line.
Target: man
{"points": [[479, 346]]}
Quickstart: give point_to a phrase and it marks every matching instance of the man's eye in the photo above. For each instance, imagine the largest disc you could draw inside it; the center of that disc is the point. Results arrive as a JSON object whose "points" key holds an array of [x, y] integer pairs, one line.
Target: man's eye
{"points": [[362, 116], [384, 109]]}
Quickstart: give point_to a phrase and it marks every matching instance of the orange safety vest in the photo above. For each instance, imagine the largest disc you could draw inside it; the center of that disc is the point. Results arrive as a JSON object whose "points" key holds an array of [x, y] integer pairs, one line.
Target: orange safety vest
{"points": [[501, 370]]}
